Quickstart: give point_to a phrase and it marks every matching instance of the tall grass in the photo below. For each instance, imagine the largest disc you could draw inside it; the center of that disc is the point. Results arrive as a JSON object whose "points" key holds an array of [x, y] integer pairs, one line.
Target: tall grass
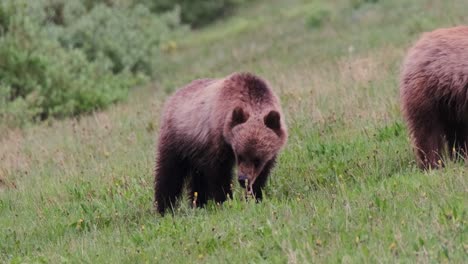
{"points": [[346, 188]]}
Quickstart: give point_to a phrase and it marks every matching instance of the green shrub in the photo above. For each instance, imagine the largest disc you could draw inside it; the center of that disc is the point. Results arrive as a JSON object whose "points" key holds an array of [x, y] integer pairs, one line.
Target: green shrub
{"points": [[14, 113], [55, 82], [318, 14], [358, 3], [196, 12], [62, 58], [4, 18], [41, 79], [130, 38], [418, 24]]}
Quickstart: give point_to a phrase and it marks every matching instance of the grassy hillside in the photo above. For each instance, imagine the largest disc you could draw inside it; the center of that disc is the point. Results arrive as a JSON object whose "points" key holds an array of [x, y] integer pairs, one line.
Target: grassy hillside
{"points": [[346, 188]]}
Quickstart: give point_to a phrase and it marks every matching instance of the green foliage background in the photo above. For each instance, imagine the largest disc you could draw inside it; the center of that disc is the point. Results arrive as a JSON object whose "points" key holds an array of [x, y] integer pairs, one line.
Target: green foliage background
{"points": [[62, 58], [346, 188]]}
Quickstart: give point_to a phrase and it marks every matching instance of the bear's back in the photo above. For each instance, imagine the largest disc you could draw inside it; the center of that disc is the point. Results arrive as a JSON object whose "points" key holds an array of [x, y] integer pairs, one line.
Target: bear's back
{"points": [[188, 111], [197, 112], [440, 57]]}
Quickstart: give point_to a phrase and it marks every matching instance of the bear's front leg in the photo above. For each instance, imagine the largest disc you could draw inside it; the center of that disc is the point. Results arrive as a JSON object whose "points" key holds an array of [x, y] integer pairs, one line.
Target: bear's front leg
{"points": [[212, 182], [222, 190], [198, 189], [262, 179]]}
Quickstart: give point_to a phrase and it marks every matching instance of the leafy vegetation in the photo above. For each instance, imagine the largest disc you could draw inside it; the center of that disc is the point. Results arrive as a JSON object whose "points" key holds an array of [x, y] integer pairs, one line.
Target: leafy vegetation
{"points": [[346, 188], [196, 13], [62, 58], [318, 14]]}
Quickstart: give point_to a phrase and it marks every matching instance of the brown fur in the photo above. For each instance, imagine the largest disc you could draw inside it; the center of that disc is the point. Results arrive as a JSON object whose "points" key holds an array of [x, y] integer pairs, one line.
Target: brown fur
{"points": [[209, 125], [434, 94]]}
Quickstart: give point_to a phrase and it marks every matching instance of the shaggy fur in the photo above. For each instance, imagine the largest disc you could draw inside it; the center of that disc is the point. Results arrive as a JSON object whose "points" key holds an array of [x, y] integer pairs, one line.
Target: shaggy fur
{"points": [[208, 127], [434, 94]]}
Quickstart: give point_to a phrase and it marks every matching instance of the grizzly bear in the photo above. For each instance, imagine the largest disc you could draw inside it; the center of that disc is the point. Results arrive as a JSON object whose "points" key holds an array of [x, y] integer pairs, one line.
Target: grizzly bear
{"points": [[209, 126], [434, 95]]}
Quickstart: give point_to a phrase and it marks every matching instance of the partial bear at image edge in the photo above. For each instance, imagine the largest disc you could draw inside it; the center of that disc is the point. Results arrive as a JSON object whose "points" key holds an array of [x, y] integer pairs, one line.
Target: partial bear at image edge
{"points": [[434, 95], [207, 128]]}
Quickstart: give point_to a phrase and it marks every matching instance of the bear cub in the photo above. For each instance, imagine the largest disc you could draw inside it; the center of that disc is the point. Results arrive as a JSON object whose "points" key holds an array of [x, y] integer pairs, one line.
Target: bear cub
{"points": [[434, 95], [209, 126]]}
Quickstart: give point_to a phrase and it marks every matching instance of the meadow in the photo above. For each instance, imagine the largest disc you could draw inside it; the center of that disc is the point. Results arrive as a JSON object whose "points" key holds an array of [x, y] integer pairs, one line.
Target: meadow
{"points": [[346, 188]]}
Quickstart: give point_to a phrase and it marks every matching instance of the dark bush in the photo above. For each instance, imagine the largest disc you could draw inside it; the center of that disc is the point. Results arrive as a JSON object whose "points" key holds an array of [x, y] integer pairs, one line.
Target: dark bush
{"points": [[40, 79], [358, 3], [195, 12], [129, 37], [62, 58], [318, 14]]}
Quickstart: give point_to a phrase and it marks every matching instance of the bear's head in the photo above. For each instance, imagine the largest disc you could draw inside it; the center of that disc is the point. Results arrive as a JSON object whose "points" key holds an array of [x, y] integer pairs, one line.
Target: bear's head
{"points": [[255, 139]]}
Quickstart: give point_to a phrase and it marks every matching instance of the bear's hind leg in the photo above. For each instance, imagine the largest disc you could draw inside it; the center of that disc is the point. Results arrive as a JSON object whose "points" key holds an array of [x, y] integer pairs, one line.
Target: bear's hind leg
{"points": [[456, 140], [428, 142], [461, 143], [170, 174], [451, 143]]}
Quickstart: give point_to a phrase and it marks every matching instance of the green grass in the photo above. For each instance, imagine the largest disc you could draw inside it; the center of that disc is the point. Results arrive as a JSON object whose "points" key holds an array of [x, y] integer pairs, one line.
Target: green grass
{"points": [[346, 188]]}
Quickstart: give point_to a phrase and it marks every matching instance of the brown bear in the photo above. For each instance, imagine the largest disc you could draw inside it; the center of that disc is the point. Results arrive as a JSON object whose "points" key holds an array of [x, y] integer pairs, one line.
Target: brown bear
{"points": [[209, 126], [434, 95]]}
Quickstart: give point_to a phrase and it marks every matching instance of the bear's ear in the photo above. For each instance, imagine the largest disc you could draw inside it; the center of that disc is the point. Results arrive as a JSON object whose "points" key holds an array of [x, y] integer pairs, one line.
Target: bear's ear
{"points": [[238, 116], [272, 120]]}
